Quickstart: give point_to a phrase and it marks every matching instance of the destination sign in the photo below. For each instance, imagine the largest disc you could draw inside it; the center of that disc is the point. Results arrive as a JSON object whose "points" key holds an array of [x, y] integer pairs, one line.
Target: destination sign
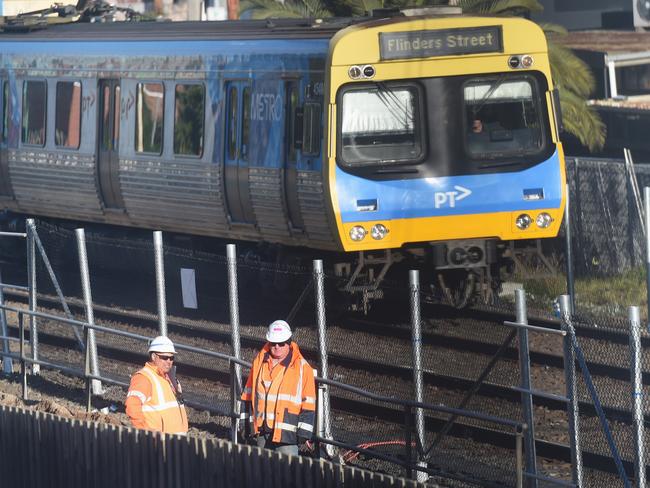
{"points": [[443, 42]]}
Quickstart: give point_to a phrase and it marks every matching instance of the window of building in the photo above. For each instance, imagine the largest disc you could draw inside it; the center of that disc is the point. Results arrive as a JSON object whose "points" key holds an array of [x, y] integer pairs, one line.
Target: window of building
{"points": [[189, 113], [149, 111], [67, 129], [34, 110]]}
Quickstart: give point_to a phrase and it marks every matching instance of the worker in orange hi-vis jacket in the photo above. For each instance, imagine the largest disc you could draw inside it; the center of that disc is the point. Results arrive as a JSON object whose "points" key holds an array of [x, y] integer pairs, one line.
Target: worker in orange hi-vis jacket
{"points": [[154, 400], [280, 394]]}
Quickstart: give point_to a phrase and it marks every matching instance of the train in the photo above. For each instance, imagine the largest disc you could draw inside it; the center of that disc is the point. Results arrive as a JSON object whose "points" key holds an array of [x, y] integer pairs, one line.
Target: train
{"points": [[385, 142]]}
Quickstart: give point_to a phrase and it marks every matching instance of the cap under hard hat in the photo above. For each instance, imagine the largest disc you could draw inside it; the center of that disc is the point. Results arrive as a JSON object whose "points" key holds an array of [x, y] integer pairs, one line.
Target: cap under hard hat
{"points": [[162, 344], [279, 331]]}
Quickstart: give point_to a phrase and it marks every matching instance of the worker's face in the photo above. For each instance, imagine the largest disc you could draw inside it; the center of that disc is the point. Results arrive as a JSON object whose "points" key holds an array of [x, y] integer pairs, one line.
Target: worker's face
{"points": [[477, 126], [280, 350], [163, 361]]}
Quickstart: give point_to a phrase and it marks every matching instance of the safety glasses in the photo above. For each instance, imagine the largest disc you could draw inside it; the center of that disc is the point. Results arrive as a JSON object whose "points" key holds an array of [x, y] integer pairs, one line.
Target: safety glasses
{"points": [[165, 358]]}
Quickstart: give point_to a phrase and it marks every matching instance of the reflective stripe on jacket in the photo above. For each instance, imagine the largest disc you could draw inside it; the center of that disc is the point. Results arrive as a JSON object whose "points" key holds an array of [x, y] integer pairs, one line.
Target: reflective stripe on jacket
{"points": [[287, 403], [151, 403]]}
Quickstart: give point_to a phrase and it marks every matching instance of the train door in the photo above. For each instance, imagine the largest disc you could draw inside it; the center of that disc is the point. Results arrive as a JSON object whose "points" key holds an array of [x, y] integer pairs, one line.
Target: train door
{"points": [[5, 181], [238, 110], [107, 144], [292, 134]]}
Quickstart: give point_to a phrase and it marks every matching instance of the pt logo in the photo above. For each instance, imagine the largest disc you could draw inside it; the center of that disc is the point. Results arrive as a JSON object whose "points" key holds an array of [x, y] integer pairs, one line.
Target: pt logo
{"points": [[449, 198]]}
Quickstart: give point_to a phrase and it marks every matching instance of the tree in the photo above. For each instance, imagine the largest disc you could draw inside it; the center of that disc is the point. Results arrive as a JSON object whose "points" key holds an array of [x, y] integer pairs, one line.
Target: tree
{"points": [[570, 74]]}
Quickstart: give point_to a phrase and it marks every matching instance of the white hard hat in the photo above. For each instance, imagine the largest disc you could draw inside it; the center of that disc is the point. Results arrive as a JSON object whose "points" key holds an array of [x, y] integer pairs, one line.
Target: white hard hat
{"points": [[162, 344], [279, 331]]}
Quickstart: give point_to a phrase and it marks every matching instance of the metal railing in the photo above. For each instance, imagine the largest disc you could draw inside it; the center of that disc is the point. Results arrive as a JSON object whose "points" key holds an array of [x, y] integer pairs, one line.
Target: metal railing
{"points": [[410, 463]]}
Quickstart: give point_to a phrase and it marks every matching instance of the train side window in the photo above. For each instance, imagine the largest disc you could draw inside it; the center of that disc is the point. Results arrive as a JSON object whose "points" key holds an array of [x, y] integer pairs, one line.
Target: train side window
{"points": [[232, 123], [291, 97], [245, 122], [116, 116], [311, 129], [67, 128], [5, 110], [149, 111], [189, 113], [34, 109]]}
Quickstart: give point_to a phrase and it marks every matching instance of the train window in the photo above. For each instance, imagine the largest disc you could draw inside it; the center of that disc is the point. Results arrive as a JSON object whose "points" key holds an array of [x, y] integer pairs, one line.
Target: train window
{"points": [[311, 129], [232, 123], [502, 117], [245, 122], [291, 103], [34, 108], [380, 125], [149, 111], [189, 114], [67, 128], [5, 110], [116, 116]]}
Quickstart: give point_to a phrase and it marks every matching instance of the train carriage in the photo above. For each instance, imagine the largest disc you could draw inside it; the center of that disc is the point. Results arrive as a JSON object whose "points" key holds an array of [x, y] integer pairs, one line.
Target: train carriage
{"points": [[425, 140]]}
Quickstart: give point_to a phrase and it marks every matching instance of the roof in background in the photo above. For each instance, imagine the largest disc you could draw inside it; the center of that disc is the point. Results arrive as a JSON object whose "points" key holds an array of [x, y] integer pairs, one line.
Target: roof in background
{"points": [[607, 41]]}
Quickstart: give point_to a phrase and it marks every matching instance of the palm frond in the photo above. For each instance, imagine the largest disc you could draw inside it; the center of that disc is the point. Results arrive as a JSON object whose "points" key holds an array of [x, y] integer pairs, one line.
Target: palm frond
{"points": [[582, 121], [569, 71], [272, 9], [553, 29], [500, 7]]}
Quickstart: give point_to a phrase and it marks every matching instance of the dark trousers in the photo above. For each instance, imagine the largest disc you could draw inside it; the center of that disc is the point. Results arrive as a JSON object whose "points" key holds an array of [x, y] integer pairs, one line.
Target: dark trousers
{"points": [[264, 440]]}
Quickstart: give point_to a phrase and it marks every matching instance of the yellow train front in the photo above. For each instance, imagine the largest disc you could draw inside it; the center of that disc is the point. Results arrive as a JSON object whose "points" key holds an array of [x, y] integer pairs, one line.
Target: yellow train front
{"points": [[443, 138]]}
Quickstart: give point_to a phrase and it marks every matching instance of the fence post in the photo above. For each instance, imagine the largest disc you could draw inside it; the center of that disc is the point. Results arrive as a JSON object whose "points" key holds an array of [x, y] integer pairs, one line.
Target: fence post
{"points": [[91, 346], [571, 392], [160, 282], [23, 363], [416, 340], [408, 448], [526, 395], [233, 296], [519, 442], [636, 372], [31, 284], [319, 289], [7, 363], [646, 204], [570, 279]]}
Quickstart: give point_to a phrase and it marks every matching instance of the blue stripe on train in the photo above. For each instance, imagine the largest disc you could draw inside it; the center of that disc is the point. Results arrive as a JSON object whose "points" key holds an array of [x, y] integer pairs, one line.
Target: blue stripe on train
{"points": [[453, 195]]}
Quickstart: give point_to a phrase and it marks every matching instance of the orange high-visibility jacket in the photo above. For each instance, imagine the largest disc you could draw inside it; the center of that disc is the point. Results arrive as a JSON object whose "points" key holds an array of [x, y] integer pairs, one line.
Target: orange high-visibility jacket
{"points": [[151, 403], [285, 400]]}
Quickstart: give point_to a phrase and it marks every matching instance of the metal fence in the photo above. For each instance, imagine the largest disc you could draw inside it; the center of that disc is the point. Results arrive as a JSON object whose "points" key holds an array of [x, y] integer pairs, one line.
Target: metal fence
{"points": [[47, 451]]}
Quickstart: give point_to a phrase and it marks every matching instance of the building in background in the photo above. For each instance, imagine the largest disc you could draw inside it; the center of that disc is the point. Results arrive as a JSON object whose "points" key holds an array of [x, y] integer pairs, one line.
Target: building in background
{"points": [[588, 14]]}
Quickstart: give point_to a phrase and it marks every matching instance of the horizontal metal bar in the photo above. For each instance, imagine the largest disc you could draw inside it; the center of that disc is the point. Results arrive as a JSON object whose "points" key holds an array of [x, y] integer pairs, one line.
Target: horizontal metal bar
{"points": [[15, 287], [9, 338], [534, 328], [542, 394], [225, 357], [13, 234], [426, 406]]}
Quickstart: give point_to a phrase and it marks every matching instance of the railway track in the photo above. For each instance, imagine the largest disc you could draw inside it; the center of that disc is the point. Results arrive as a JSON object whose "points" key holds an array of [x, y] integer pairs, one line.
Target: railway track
{"points": [[551, 450]]}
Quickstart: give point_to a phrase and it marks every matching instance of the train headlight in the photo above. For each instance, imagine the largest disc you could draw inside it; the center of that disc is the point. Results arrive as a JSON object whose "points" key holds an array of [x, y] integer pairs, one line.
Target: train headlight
{"points": [[354, 72], [543, 220], [357, 233], [378, 232], [526, 61], [523, 221]]}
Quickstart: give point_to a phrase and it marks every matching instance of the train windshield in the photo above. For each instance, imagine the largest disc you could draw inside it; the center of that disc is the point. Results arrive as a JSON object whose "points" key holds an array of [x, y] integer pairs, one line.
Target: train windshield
{"points": [[502, 117], [443, 126], [378, 125]]}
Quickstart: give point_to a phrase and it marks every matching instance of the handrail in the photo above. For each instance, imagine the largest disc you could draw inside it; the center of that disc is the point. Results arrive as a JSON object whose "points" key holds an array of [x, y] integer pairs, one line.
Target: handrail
{"points": [[226, 357], [407, 405]]}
